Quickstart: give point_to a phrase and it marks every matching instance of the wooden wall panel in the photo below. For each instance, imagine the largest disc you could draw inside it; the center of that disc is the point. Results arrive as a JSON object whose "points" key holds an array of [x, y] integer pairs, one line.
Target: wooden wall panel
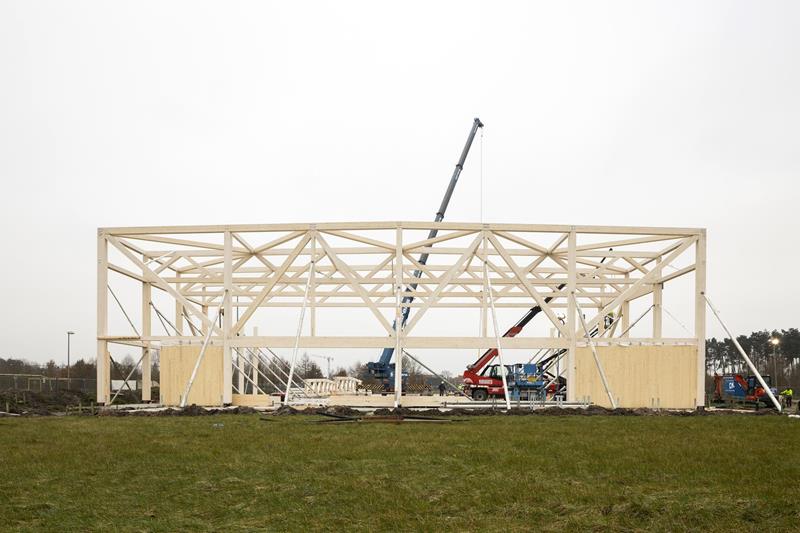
{"points": [[253, 400], [639, 376], [176, 364]]}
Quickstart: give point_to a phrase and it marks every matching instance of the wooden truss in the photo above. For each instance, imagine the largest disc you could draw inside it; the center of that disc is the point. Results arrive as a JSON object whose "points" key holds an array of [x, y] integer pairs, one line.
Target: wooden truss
{"points": [[364, 265]]}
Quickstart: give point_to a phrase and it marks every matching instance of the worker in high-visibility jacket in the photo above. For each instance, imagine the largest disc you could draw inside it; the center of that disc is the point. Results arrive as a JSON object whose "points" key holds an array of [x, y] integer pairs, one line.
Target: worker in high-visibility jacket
{"points": [[787, 394]]}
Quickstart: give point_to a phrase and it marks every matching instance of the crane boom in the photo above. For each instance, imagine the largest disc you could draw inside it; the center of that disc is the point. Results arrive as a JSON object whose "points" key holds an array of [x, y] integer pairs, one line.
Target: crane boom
{"points": [[381, 368]]}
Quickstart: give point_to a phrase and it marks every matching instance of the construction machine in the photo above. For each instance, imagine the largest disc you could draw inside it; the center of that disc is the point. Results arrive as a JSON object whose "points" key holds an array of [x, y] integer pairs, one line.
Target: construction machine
{"points": [[482, 380], [737, 388], [383, 368]]}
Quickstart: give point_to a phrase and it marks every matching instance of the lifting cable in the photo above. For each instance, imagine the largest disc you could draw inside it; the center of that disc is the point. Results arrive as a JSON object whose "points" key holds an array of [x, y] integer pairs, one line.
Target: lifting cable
{"points": [[481, 177]]}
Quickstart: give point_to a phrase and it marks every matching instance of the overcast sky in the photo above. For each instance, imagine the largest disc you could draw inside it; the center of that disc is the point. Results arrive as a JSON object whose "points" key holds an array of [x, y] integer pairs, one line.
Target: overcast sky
{"points": [[157, 113]]}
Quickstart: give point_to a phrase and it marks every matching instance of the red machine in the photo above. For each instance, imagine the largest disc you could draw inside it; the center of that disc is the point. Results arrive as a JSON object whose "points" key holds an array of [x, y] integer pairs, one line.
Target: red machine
{"points": [[482, 381]]}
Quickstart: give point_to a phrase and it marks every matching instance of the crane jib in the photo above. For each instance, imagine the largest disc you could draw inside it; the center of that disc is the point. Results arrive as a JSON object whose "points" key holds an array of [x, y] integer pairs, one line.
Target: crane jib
{"points": [[387, 353]]}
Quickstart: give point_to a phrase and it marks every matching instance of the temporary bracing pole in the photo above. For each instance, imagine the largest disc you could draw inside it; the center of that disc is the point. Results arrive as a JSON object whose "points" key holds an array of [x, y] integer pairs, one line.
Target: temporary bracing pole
{"points": [[426, 367], [123, 310], [241, 373], [299, 332], [165, 319], [202, 353], [594, 353], [258, 371], [129, 376], [497, 335], [744, 354]]}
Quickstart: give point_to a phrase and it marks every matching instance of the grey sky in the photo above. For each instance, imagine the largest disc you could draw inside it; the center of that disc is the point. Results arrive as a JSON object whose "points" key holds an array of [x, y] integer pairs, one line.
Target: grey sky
{"points": [[631, 113]]}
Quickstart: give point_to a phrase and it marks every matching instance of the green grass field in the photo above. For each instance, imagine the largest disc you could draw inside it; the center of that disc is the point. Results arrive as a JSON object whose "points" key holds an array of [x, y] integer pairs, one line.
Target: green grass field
{"points": [[489, 473]]}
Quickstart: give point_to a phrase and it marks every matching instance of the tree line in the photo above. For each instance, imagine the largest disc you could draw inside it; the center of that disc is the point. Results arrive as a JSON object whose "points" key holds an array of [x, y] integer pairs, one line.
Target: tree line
{"points": [[769, 357]]}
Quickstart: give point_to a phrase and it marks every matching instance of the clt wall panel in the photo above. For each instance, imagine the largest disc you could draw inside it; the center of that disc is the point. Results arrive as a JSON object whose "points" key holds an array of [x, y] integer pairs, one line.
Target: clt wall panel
{"points": [[639, 376], [252, 400], [176, 364]]}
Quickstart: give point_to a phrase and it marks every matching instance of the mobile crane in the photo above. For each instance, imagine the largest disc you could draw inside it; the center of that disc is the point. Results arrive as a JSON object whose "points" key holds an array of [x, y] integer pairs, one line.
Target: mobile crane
{"points": [[383, 369]]}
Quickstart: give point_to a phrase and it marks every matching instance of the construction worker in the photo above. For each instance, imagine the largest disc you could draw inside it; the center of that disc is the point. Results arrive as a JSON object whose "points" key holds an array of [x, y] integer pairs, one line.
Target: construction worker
{"points": [[786, 396], [442, 388]]}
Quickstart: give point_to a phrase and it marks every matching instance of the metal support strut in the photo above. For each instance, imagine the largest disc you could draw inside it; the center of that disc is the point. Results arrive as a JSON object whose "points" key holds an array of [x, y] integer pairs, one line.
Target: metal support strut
{"points": [[299, 330], [750, 364], [594, 353], [202, 353], [497, 335]]}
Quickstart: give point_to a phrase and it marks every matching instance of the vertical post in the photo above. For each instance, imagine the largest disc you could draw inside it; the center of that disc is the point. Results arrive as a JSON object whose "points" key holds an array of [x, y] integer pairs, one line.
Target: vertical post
{"points": [[571, 303], [484, 326], [657, 313], [204, 310], [312, 293], [398, 317], [254, 361], [69, 334], [227, 320], [700, 316], [240, 372], [103, 363], [146, 332], [625, 309]]}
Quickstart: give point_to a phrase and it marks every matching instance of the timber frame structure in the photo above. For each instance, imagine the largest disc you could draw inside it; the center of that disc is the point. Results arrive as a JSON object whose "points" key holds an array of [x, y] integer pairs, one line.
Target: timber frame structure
{"points": [[242, 269]]}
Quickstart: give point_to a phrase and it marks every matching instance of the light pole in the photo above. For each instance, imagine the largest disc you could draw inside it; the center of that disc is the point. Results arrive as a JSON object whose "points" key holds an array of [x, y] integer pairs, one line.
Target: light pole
{"points": [[775, 342], [69, 334]]}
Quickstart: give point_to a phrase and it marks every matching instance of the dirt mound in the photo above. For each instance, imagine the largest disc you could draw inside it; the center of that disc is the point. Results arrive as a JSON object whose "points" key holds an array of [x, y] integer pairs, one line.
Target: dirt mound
{"points": [[337, 410], [285, 410], [191, 410], [42, 403]]}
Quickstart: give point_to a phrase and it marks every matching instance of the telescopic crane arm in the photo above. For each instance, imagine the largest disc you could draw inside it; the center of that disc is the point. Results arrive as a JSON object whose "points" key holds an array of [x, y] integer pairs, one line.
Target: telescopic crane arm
{"points": [[381, 368]]}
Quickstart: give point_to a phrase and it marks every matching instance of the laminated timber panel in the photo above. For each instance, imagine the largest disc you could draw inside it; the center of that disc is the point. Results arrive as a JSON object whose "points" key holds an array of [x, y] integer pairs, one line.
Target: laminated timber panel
{"points": [[252, 400], [176, 364], [639, 376]]}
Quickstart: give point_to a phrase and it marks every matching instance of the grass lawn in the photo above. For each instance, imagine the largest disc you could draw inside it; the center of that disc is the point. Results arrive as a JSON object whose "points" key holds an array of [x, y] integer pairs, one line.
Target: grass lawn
{"points": [[489, 473]]}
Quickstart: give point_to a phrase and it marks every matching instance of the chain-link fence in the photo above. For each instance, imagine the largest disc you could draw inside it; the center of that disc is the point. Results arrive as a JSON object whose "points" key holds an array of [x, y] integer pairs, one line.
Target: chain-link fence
{"points": [[39, 383]]}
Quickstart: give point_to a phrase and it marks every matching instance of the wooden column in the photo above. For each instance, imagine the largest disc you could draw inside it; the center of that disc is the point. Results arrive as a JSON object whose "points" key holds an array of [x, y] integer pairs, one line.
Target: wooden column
{"points": [[657, 310], [254, 362], [625, 309], [227, 321], [146, 332], [103, 362], [571, 322], [484, 326], [312, 292], [398, 317], [700, 316]]}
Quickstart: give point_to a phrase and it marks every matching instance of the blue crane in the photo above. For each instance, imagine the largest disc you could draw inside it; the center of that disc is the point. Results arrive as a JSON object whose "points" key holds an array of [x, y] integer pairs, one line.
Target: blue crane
{"points": [[383, 369]]}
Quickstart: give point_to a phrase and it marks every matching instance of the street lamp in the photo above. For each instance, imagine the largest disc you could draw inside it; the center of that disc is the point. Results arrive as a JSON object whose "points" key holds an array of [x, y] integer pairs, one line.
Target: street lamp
{"points": [[775, 342], [69, 334]]}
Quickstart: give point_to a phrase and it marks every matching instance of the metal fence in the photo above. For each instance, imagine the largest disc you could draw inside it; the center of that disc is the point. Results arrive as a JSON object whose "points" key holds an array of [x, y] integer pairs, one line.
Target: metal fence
{"points": [[39, 383]]}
